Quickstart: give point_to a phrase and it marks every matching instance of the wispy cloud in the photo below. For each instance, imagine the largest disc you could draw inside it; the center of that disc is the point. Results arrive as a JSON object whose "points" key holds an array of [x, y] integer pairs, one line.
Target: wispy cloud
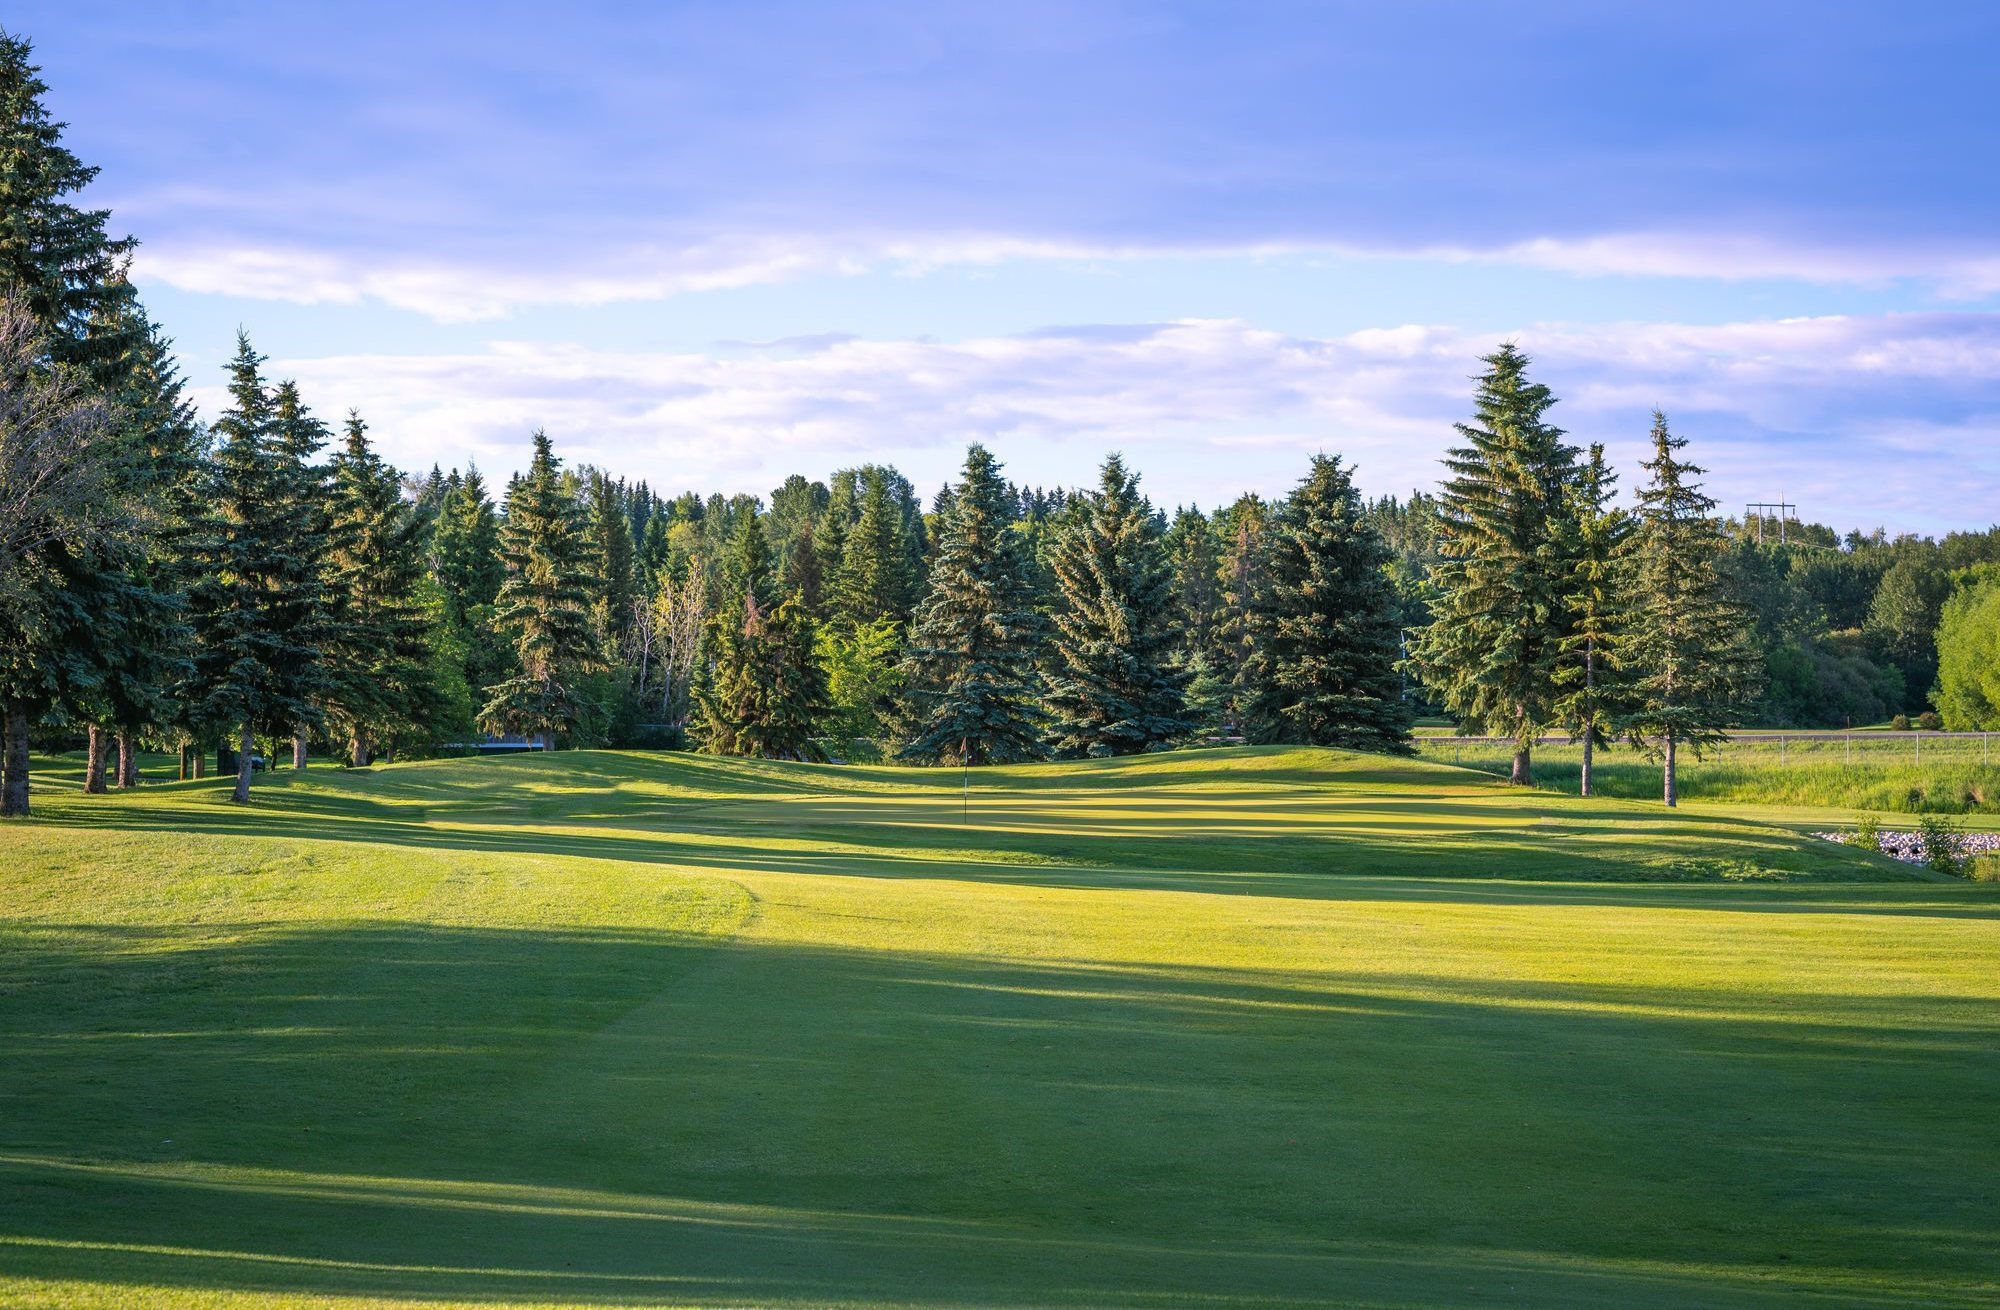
{"points": [[1892, 418]]}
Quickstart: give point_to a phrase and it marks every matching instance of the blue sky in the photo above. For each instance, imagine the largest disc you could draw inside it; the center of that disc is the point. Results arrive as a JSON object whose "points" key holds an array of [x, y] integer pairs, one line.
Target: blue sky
{"points": [[713, 244]]}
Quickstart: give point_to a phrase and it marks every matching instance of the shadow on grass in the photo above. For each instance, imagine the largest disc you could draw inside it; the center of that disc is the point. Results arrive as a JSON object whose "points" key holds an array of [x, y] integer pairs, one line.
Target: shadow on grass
{"points": [[617, 1117]]}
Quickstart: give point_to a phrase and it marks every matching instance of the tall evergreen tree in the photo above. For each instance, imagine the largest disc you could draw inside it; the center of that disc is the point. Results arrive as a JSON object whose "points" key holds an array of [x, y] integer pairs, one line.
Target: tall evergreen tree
{"points": [[544, 605], [969, 678], [610, 535], [1688, 650], [1327, 637], [1197, 596], [766, 690], [1243, 528], [747, 567], [257, 610], [1492, 650], [1586, 673], [874, 580], [1113, 688], [303, 492], [379, 652]]}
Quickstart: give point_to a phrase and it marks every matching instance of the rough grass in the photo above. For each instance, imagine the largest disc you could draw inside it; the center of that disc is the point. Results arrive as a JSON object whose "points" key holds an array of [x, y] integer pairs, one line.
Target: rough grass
{"points": [[1888, 775], [1248, 1028]]}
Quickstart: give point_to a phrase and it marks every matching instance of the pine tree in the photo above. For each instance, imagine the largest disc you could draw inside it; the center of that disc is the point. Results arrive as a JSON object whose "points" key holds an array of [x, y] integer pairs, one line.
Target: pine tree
{"points": [[1112, 685], [610, 535], [303, 496], [747, 567], [1688, 649], [1327, 637], [1587, 671], [544, 605], [969, 678], [874, 580], [380, 648], [801, 577], [1492, 650], [1193, 555], [56, 257], [1243, 528], [766, 690], [257, 609]]}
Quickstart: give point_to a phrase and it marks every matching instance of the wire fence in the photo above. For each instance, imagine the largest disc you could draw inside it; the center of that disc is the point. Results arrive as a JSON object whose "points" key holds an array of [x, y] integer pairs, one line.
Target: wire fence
{"points": [[1912, 749]]}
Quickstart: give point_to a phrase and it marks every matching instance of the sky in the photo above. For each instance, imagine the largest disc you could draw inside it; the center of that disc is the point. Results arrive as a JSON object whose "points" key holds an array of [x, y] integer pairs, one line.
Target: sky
{"points": [[711, 245]]}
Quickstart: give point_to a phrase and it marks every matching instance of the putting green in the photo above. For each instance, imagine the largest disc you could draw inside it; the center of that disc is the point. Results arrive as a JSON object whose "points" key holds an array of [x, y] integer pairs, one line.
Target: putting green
{"points": [[1247, 1027]]}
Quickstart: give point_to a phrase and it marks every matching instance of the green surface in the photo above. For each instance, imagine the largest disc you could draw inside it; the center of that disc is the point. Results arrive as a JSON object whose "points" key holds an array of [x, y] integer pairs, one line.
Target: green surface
{"points": [[1238, 1027], [1840, 771]]}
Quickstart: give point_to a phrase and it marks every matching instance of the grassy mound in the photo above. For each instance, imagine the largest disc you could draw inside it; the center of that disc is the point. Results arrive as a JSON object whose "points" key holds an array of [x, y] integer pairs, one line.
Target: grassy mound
{"points": [[1248, 1028]]}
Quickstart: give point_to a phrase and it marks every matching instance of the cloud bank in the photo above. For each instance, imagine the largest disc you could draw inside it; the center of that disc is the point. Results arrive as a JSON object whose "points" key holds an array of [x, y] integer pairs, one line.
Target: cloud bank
{"points": [[1862, 419]]}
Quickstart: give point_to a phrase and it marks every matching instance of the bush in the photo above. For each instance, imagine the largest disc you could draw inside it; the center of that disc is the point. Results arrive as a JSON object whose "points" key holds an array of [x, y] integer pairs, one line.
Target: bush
{"points": [[1929, 721], [1868, 834], [1942, 844], [1983, 868], [1901, 723]]}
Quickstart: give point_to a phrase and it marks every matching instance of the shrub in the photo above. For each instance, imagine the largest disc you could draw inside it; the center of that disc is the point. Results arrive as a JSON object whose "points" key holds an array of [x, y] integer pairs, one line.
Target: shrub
{"points": [[1901, 723], [1868, 833], [1942, 844], [1929, 721], [1983, 868]]}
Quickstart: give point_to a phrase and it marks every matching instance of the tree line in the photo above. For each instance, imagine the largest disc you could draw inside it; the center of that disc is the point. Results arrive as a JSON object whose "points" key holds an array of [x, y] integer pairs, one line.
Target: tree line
{"points": [[267, 584]]}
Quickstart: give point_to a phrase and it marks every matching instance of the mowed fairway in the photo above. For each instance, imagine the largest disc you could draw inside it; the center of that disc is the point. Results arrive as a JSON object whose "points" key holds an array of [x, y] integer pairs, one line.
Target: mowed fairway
{"points": [[1268, 1028]]}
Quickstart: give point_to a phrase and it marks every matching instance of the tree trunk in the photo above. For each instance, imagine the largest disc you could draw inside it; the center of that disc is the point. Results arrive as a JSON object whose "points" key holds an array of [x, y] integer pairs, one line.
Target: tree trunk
{"points": [[1590, 711], [1671, 791], [14, 762], [1523, 769], [299, 750], [548, 741], [244, 751], [200, 763], [93, 763], [128, 762], [357, 749]]}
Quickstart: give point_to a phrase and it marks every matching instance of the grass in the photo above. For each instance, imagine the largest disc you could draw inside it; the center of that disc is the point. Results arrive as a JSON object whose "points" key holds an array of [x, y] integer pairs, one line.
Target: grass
{"points": [[1270, 1028], [1844, 771]]}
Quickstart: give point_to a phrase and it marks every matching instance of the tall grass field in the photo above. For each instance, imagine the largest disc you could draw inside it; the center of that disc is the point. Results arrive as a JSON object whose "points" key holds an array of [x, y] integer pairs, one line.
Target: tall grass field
{"points": [[1270, 1028]]}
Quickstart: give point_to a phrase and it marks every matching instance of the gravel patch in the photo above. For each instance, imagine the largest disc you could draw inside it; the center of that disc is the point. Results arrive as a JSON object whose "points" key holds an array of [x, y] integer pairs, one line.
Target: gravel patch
{"points": [[1909, 846]]}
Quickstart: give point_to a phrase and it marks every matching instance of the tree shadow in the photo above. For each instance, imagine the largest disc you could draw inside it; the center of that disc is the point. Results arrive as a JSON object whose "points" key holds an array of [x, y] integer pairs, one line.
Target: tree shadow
{"points": [[622, 1117]]}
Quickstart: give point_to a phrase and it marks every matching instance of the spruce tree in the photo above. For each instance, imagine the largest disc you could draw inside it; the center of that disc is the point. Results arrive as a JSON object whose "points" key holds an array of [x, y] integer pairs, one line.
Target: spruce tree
{"points": [[1327, 635], [801, 578], [610, 534], [765, 691], [874, 580], [1587, 673], [746, 569], [1243, 528], [544, 606], [1687, 650], [1197, 598], [970, 692], [1494, 644], [257, 609], [379, 653], [1112, 685], [304, 493]]}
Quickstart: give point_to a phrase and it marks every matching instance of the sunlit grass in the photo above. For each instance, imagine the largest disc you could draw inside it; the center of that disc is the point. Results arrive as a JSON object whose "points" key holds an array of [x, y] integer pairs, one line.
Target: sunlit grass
{"points": [[1254, 1027]]}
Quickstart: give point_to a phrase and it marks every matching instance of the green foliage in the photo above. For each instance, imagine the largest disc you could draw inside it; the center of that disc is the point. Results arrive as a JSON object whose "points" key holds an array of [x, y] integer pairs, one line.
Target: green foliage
{"points": [[1586, 674], [608, 532], [544, 605], [1112, 687], [381, 653], [1505, 578], [1688, 652], [863, 676], [1867, 834], [1968, 653], [1944, 843], [259, 610], [766, 691], [1326, 636], [970, 690]]}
